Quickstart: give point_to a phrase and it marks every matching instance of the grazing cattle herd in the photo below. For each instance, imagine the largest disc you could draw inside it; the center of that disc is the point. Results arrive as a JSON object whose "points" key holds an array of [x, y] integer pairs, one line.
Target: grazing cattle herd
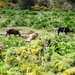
{"points": [[34, 35]]}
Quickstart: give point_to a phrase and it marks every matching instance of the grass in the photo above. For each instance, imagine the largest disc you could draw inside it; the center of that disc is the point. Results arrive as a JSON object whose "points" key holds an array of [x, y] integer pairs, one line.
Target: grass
{"points": [[2, 68]]}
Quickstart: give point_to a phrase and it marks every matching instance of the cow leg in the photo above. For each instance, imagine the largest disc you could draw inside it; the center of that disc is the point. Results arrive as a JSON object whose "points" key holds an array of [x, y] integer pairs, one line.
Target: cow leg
{"points": [[65, 33], [58, 33], [15, 35], [19, 35], [6, 34]]}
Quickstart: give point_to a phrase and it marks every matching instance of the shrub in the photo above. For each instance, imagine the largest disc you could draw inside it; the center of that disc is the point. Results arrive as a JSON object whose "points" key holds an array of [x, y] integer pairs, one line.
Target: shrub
{"points": [[39, 24], [1, 53], [37, 8], [2, 68], [14, 1], [59, 64], [2, 5], [12, 6], [20, 22], [67, 18], [3, 11], [5, 24], [44, 8], [10, 13], [56, 23], [66, 10], [70, 71], [25, 58], [26, 4], [13, 41], [54, 14], [34, 13]]}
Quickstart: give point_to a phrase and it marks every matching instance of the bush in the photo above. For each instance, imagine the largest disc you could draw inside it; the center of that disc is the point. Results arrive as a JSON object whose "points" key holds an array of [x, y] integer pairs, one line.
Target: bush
{"points": [[5, 24], [56, 23], [10, 13], [26, 4], [34, 13], [2, 5], [59, 64], [12, 6], [25, 58], [13, 41], [38, 8], [20, 23], [70, 71], [2, 68], [1, 53]]}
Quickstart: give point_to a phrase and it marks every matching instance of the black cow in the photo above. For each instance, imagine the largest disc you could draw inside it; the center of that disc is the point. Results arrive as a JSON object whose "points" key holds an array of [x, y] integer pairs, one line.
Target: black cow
{"points": [[63, 29], [13, 31]]}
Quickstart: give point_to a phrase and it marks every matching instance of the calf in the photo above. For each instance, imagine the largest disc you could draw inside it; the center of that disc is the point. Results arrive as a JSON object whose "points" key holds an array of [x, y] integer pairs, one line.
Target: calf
{"points": [[13, 31], [63, 29], [32, 36]]}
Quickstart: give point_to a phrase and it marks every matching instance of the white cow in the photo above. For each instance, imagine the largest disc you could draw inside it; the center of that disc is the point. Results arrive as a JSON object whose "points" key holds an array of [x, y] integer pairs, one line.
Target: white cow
{"points": [[32, 36]]}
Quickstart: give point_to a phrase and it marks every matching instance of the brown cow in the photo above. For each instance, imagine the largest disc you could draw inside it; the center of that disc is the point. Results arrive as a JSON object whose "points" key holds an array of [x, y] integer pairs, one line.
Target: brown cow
{"points": [[13, 31], [32, 36]]}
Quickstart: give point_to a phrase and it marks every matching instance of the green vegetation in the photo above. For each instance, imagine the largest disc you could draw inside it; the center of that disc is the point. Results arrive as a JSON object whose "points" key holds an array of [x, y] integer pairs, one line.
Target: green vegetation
{"points": [[51, 55], [48, 54], [37, 19]]}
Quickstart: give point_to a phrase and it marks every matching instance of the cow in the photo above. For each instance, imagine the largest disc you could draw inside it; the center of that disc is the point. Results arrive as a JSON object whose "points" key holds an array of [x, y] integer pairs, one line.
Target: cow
{"points": [[63, 29], [13, 31], [32, 36]]}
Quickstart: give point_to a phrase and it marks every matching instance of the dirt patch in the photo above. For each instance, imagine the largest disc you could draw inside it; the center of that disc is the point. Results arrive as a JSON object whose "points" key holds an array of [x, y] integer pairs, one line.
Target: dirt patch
{"points": [[23, 30]]}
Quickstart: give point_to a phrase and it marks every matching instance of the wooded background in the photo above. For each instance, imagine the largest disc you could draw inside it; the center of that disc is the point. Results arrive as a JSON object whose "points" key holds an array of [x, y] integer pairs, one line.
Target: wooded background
{"points": [[27, 4]]}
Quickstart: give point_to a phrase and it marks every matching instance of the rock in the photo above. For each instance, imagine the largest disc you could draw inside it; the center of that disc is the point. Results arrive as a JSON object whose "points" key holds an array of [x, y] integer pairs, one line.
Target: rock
{"points": [[67, 6]]}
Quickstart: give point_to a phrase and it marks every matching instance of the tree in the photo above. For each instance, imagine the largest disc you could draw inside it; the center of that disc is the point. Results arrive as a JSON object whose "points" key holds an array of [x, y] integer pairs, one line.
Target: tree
{"points": [[71, 0], [26, 4], [14, 1]]}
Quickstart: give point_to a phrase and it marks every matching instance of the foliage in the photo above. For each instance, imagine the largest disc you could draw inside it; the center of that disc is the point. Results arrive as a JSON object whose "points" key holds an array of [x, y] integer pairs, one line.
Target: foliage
{"points": [[52, 55], [12, 6], [1, 53], [72, 0], [29, 55], [43, 3], [2, 68], [47, 20], [2, 5], [49, 53], [70, 71], [26, 4], [5, 23], [13, 41], [38, 8], [14, 1]]}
